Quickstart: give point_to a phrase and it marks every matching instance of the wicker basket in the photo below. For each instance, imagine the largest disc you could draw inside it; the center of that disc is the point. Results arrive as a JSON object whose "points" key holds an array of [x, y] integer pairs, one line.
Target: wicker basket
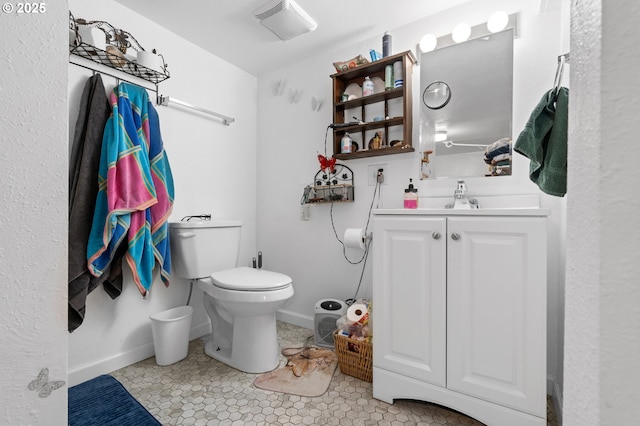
{"points": [[355, 357]]}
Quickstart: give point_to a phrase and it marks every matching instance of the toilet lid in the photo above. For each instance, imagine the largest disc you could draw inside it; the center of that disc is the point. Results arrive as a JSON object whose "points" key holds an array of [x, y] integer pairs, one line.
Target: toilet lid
{"points": [[250, 279]]}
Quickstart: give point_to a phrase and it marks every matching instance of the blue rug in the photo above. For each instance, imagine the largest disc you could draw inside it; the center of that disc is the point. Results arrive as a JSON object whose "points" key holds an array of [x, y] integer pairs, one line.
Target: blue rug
{"points": [[103, 401]]}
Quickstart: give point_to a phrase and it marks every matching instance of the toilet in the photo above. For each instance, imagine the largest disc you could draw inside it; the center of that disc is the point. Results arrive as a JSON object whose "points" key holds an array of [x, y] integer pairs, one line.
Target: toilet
{"points": [[241, 302]]}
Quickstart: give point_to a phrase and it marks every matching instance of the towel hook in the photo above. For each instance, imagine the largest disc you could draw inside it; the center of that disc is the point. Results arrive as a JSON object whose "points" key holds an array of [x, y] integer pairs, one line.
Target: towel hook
{"points": [[562, 59]]}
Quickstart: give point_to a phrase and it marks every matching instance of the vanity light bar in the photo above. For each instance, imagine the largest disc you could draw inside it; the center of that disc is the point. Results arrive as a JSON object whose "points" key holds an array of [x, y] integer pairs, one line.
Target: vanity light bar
{"points": [[477, 31]]}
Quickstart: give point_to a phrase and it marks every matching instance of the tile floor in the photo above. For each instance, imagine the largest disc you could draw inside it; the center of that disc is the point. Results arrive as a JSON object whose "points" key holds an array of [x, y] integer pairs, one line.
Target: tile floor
{"points": [[202, 391]]}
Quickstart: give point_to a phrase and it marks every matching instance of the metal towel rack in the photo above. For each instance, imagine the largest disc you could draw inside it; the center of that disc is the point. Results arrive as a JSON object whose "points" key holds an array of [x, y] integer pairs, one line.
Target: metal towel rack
{"points": [[94, 56], [167, 100]]}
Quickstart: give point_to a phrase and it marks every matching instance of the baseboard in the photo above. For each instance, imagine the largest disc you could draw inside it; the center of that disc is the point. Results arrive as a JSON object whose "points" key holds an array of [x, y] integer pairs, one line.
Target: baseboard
{"points": [[88, 371], [295, 318], [200, 330]]}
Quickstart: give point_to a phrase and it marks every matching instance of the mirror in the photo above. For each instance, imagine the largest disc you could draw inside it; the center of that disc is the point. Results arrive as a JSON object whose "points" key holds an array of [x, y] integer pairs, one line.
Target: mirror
{"points": [[466, 96], [436, 95]]}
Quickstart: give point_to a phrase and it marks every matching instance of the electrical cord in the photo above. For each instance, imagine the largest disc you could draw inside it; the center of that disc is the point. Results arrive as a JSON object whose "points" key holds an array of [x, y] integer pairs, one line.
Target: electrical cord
{"points": [[363, 259], [367, 244], [366, 247], [351, 301], [326, 134], [297, 350]]}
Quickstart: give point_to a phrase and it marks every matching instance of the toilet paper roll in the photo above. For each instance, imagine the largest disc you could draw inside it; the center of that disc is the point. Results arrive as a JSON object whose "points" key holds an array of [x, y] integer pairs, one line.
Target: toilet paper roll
{"points": [[354, 238], [357, 313]]}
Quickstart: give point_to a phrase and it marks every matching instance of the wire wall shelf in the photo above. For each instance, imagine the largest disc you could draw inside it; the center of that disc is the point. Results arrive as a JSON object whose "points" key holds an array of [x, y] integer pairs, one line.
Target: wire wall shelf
{"points": [[117, 62], [335, 186]]}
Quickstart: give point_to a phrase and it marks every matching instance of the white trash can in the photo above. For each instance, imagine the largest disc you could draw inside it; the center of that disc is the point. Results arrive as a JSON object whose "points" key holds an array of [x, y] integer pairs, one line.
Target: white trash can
{"points": [[170, 331]]}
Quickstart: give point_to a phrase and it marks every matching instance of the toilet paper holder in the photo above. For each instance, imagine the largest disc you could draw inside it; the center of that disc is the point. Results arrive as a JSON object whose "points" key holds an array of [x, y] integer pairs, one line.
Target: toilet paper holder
{"points": [[357, 238]]}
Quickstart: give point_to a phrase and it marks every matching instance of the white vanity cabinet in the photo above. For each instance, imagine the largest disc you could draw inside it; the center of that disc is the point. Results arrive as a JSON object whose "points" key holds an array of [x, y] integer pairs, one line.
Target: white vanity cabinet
{"points": [[460, 311]]}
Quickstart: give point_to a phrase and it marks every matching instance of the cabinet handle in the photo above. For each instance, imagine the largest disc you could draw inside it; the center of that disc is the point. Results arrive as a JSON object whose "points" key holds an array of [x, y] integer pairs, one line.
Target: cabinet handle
{"points": [[436, 235], [455, 236]]}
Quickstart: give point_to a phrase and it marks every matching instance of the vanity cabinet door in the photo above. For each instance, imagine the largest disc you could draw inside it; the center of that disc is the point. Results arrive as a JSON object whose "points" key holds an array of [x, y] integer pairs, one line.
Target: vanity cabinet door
{"points": [[496, 304], [409, 297]]}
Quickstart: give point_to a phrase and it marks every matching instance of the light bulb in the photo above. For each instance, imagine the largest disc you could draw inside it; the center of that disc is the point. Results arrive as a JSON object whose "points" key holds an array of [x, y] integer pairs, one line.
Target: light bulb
{"points": [[461, 32], [441, 136], [498, 22], [428, 42]]}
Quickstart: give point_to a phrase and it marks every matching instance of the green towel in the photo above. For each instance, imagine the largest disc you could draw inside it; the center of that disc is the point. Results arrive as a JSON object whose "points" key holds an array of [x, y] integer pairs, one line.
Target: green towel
{"points": [[544, 142]]}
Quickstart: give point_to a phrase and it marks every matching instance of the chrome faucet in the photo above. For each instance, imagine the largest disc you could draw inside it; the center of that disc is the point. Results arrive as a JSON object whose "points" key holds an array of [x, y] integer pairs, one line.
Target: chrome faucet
{"points": [[461, 191], [460, 200]]}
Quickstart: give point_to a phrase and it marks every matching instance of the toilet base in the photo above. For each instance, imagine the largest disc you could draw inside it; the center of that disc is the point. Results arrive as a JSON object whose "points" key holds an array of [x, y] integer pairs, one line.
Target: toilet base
{"points": [[254, 347]]}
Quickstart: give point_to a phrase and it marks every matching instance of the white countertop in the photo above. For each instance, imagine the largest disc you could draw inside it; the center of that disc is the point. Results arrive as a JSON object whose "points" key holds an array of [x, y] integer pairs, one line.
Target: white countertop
{"points": [[494, 205], [470, 212]]}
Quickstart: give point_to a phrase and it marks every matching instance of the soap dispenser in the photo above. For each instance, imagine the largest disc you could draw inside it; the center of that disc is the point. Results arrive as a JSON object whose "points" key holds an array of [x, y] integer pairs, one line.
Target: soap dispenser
{"points": [[411, 196]]}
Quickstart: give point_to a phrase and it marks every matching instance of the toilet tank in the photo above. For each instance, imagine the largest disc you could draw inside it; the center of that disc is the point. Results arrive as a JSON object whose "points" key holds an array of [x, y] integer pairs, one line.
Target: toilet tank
{"points": [[201, 247]]}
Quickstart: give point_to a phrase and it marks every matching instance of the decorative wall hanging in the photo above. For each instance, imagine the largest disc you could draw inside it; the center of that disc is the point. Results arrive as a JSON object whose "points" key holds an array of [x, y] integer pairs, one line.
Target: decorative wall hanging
{"points": [[277, 87], [294, 95], [332, 183], [316, 103], [43, 385]]}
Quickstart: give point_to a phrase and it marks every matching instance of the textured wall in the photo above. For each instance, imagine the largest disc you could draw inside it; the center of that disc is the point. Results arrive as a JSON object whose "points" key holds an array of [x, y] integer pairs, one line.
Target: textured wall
{"points": [[618, 220], [33, 216], [583, 274], [603, 234]]}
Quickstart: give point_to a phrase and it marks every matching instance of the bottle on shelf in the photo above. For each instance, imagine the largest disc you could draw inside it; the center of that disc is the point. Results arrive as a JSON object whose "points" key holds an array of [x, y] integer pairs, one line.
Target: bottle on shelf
{"points": [[346, 144], [367, 87], [388, 77], [386, 44]]}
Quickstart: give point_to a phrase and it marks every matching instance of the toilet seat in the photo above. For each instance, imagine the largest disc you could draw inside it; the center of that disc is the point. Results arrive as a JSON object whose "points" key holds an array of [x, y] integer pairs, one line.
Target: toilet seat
{"points": [[250, 279]]}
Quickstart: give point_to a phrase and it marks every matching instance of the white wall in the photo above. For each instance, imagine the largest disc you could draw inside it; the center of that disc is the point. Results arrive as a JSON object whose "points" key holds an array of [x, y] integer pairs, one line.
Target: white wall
{"points": [[291, 135], [33, 213], [214, 172], [602, 268], [603, 233]]}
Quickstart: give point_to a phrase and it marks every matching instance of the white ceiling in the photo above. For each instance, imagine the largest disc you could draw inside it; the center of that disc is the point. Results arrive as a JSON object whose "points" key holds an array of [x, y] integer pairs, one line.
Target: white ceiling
{"points": [[227, 28]]}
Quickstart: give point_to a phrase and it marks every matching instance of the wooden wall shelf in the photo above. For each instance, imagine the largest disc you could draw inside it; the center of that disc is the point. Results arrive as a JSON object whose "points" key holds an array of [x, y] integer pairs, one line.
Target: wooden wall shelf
{"points": [[357, 75]]}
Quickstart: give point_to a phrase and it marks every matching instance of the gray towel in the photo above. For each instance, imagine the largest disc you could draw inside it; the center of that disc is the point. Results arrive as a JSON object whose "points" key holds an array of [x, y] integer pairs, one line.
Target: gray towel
{"points": [[83, 188]]}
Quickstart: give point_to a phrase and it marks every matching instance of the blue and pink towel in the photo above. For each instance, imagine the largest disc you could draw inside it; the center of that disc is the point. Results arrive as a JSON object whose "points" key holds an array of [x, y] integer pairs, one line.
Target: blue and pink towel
{"points": [[136, 191]]}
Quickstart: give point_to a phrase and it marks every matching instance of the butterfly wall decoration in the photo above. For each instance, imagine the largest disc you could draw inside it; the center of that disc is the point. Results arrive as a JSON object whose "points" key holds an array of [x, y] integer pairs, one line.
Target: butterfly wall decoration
{"points": [[42, 385], [327, 165]]}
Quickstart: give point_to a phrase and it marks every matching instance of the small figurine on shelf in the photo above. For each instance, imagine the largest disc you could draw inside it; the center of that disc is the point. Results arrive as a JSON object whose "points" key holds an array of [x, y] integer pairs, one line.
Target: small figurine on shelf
{"points": [[376, 141]]}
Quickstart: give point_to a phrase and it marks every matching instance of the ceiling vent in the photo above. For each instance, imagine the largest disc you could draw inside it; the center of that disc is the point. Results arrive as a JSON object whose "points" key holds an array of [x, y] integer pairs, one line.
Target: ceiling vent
{"points": [[285, 19]]}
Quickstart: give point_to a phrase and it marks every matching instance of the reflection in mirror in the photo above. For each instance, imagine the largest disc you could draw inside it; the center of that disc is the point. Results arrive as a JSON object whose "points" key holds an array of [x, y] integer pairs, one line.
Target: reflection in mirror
{"points": [[466, 110]]}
